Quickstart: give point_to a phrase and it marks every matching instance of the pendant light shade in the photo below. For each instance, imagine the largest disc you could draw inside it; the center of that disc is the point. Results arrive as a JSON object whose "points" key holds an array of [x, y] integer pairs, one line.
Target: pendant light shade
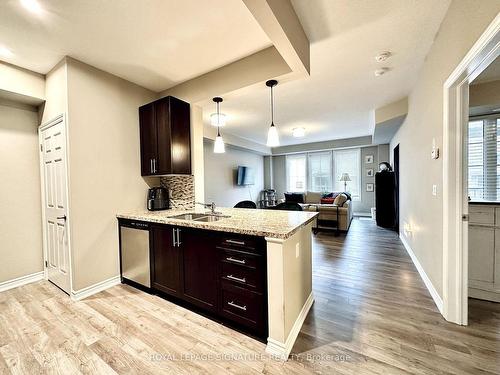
{"points": [[219, 147], [273, 139]]}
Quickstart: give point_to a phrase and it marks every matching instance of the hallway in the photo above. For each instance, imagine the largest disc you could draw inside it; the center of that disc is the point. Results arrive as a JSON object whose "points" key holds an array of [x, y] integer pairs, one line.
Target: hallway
{"points": [[372, 306]]}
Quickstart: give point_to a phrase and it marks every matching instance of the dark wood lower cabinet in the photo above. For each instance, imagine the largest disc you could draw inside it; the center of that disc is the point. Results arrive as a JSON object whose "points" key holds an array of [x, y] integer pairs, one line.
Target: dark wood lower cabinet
{"points": [[166, 258], [199, 268], [219, 274]]}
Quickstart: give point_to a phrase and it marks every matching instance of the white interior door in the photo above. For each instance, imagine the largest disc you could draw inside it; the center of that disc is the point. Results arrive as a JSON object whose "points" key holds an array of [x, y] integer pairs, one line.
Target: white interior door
{"points": [[53, 149]]}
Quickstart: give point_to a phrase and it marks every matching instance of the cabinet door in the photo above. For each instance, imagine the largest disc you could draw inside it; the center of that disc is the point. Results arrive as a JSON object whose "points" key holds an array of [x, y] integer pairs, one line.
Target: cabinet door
{"points": [[481, 253], [147, 126], [199, 265], [164, 142], [166, 262], [180, 130]]}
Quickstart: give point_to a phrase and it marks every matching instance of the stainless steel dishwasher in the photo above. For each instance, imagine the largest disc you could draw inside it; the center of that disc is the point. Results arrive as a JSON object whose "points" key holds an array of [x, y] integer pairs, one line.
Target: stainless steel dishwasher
{"points": [[134, 252]]}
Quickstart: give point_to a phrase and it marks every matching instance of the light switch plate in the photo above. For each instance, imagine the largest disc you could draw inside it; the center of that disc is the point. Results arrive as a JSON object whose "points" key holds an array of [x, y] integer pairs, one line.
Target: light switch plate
{"points": [[297, 250], [434, 190]]}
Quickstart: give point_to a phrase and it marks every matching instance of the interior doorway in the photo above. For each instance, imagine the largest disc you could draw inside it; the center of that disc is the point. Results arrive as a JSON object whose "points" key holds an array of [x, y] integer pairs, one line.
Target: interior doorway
{"points": [[396, 175], [455, 169], [53, 164], [482, 158]]}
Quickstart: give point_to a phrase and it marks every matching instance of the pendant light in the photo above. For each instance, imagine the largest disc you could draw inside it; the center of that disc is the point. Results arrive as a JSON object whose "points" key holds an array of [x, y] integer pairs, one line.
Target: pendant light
{"points": [[273, 139], [219, 147]]}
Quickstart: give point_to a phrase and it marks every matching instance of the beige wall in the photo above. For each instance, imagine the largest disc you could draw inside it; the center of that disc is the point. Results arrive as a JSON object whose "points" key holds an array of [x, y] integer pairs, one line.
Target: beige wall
{"points": [[22, 83], [220, 175], [197, 166], [56, 93], [462, 26], [487, 93], [105, 176], [21, 251]]}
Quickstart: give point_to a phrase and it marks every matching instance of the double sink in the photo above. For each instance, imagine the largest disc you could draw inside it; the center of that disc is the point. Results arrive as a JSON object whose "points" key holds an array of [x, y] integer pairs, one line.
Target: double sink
{"points": [[207, 218]]}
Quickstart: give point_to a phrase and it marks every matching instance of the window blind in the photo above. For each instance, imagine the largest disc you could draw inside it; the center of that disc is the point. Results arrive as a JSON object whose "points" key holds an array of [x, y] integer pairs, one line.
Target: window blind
{"points": [[484, 158]]}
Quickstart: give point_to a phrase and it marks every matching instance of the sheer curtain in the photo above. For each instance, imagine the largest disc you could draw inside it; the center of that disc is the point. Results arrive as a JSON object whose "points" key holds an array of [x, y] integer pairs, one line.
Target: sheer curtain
{"points": [[320, 171], [296, 180], [348, 161]]}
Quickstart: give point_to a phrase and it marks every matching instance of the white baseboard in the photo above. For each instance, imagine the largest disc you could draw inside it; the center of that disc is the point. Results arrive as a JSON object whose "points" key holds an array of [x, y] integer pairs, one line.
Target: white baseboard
{"points": [[282, 350], [428, 283], [23, 280], [96, 288]]}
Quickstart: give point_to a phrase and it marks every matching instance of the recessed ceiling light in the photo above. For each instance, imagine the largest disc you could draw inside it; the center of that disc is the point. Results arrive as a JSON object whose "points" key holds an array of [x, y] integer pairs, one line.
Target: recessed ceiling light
{"points": [[32, 5], [383, 56], [298, 132], [381, 71], [5, 52]]}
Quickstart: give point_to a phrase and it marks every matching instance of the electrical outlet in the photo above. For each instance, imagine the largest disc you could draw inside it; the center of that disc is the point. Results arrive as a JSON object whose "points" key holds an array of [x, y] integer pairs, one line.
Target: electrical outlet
{"points": [[434, 190]]}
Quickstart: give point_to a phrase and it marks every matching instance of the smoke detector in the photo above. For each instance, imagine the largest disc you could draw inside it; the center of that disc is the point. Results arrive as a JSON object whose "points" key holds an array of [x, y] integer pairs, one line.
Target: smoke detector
{"points": [[383, 56], [381, 71]]}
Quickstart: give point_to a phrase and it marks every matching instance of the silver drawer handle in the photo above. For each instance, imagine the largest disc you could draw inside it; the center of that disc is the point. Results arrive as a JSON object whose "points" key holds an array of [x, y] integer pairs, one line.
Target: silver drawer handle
{"points": [[241, 280], [231, 259], [244, 308], [236, 242]]}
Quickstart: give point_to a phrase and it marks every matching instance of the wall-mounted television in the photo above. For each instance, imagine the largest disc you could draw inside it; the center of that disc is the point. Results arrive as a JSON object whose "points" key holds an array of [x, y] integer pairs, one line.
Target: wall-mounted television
{"points": [[245, 176]]}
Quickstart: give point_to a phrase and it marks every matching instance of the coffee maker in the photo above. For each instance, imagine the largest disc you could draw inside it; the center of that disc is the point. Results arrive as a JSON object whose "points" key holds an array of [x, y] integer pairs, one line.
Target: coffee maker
{"points": [[157, 199]]}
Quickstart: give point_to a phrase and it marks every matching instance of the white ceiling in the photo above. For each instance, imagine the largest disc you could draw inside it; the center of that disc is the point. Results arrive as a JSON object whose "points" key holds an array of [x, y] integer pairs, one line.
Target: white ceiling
{"points": [[339, 98], [154, 43]]}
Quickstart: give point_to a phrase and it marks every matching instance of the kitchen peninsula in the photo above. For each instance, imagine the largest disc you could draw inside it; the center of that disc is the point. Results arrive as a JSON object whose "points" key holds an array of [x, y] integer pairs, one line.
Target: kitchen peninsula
{"points": [[250, 269]]}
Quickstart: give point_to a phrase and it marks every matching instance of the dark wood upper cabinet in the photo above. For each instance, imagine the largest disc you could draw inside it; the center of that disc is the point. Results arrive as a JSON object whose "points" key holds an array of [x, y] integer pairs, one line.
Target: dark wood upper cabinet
{"points": [[165, 137]]}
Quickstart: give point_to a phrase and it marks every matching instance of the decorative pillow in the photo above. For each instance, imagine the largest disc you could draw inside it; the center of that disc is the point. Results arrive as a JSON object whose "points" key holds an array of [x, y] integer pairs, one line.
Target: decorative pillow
{"points": [[340, 200], [294, 197], [327, 200], [327, 195]]}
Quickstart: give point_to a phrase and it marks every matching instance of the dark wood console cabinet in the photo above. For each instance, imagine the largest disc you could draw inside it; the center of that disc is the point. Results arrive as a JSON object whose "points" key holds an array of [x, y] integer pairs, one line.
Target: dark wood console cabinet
{"points": [[165, 137], [222, 275]]}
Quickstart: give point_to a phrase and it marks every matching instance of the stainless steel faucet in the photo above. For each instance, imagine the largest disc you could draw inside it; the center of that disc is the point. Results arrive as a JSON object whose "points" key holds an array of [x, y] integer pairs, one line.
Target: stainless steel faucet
{"points": [[211, 206]]}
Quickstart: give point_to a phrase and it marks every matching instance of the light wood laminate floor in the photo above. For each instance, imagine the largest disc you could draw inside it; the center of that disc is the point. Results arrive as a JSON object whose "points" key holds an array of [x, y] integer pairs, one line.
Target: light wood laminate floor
{"points": [[372, 315]]}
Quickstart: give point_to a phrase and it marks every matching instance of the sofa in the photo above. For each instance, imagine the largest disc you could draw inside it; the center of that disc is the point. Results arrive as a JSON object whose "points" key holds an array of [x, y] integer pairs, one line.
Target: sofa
{"points": [[330, 214]]}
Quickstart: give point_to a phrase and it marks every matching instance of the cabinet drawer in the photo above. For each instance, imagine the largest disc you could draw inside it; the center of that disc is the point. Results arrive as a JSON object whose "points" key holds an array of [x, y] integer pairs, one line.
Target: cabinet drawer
{"points": [[238, 242], [240, 258], [242, 276], [242, 306], [481, 215]]}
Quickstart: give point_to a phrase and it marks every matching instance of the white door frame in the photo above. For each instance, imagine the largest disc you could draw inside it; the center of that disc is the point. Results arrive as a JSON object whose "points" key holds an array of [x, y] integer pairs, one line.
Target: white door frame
{"points": [[60, 118], [455, 204]]}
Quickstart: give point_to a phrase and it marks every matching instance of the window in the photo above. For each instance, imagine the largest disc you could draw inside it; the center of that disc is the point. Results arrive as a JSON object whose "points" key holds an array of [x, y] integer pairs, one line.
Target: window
{"points": [[320, 171], [348, 161], [484, 158], [296, 173]]}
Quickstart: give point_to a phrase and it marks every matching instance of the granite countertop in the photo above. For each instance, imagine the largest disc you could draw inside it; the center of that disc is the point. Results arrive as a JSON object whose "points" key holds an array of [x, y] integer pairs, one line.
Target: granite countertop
{"points": [[265, 223]]}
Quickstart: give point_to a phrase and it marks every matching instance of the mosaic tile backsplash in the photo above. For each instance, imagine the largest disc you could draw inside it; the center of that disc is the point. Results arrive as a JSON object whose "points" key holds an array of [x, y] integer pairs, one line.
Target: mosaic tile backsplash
{"points": [[181, 191]]}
